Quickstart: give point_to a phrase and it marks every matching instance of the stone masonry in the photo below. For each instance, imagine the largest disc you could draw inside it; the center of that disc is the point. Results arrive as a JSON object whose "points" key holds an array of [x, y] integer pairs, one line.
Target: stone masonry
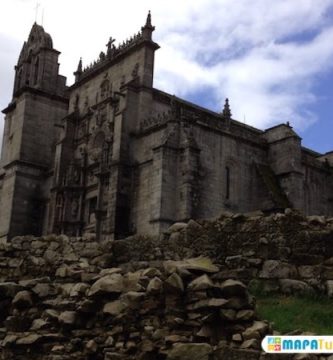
{"points": [[153, 298], [113, 156]]}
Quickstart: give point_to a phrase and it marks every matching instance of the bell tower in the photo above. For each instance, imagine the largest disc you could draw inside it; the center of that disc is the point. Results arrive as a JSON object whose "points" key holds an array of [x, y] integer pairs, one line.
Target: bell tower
{"points": [[39, 103]]}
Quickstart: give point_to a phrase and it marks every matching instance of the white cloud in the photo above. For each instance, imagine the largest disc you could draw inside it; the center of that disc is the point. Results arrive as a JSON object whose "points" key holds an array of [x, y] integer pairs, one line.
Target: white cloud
{"points": [[253, 51]]}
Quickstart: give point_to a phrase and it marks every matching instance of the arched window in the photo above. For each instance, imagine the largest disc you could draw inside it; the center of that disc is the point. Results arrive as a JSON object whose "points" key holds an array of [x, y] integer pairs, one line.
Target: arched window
{"points": [[36, 70]]}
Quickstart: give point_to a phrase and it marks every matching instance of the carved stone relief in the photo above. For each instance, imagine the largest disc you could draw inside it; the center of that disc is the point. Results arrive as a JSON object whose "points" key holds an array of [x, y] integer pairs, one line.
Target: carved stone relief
{"points": [[135, 71], [99, 146]]}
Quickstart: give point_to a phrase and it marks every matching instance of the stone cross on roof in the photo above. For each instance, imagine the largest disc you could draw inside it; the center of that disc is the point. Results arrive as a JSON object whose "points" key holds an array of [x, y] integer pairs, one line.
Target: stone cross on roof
{"points": [[110, 42]]}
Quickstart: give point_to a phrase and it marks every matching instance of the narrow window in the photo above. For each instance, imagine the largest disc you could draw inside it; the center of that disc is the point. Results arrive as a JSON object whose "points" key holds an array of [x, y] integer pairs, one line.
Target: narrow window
{"points": [[227, 182], [36, 69], [27, 79]]}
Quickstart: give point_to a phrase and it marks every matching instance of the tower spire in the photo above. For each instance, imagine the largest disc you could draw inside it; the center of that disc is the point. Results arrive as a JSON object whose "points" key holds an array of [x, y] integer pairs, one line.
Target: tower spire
{"points": [[226, 113], [78, 71], [148, 21], [148, 28]]}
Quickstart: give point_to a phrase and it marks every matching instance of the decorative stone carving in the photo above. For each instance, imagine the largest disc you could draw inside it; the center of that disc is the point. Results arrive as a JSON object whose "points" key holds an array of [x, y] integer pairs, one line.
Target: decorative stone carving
{"points": [[101, 117], [110, 45], [155, 120], [81, 129], [105, 86], [99, 146], [75, 207], [188, 115], [135, 71], [73, 175], [112, 52], [95, 147]]}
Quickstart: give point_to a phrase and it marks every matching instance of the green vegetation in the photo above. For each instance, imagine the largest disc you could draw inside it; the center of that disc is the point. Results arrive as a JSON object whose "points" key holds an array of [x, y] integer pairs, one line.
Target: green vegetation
{"points": [[289, 313]]}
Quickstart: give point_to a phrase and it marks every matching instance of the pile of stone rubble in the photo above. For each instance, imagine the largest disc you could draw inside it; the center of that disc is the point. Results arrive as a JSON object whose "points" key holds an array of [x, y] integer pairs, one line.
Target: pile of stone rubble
{"points": [[159, 298], [177, 311]]}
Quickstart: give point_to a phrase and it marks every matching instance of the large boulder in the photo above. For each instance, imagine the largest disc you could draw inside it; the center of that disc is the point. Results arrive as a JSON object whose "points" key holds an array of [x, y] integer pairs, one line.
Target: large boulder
{"points": [[174, 283], [67, 317], [274, 269], [22, 299], [114, 307], [291, 286], [155, 285], [113, 283], [201, 264], [200, 283]]}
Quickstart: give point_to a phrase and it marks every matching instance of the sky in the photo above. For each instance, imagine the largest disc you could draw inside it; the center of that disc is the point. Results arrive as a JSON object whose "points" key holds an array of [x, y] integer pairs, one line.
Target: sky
{"points": [[272, 59]]}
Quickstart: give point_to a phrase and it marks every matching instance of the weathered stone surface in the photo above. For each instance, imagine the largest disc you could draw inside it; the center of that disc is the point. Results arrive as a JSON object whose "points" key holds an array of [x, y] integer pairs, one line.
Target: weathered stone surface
{"points": [[151, 273], [237, 338], [231, 288], [201, 283], [131, 282], [317, 220], [91, 346], [207, 308], [9, 340], [29, 339], [115, 307], [51, 314], [176, 227], [38, 324], [155, 285], [51, 256], [78, 289], [199, 264], [174, 283], [30, 283], [309, 272], [250, 344], [9, 289], [67, 317], [190, 352], [107, 284], [291, 286], [193, 225], [44, 290], [228, 314], [133, 298], [207, 303], [245, 315], [22, 300], [256, 331], [228, 353], [274, 269]]}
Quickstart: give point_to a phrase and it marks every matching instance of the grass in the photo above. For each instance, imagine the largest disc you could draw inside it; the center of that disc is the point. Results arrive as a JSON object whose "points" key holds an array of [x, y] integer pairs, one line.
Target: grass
{"points": [[290, 313]]}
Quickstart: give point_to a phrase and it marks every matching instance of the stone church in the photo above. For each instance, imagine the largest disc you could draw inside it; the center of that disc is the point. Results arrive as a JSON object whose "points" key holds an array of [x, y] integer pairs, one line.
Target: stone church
{"points": [[113, 156]]}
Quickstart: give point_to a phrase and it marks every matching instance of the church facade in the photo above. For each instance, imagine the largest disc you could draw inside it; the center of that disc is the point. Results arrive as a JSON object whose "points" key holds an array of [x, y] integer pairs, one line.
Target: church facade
{"points": [[113, 156]]}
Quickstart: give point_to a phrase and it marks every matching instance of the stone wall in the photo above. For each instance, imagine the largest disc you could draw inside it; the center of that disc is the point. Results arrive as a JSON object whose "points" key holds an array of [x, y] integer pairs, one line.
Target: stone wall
{"points": [[174, 311], [158, 297], [279, 252], [276, 252]]}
